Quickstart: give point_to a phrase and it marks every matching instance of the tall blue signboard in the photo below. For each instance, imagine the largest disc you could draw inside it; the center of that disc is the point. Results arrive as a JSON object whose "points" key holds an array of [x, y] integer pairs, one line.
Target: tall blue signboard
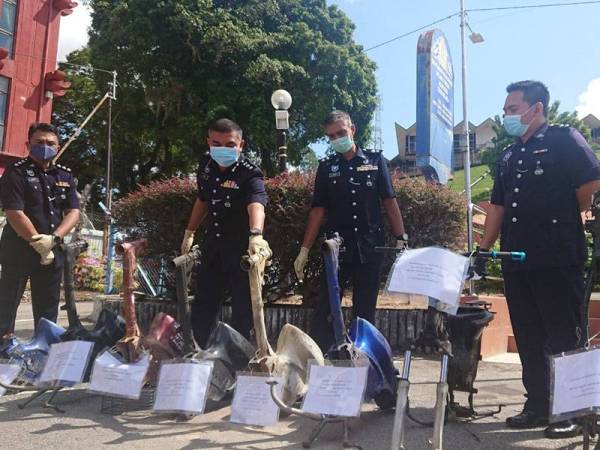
{"points": [[435, 107]]}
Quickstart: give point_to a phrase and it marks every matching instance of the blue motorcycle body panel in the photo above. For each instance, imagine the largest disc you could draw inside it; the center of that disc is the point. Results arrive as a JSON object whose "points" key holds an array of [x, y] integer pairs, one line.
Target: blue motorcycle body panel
{"points": [[364, 338], [369, 340], [32, 355]]}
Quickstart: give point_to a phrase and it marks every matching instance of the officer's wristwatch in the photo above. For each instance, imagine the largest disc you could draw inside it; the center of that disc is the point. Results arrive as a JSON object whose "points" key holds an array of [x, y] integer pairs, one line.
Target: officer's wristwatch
{"points": [[255, 232], [57, 239]]}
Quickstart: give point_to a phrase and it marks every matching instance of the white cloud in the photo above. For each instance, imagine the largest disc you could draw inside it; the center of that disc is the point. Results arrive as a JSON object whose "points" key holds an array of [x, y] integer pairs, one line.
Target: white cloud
{"points": [[589, 100], [73, 31]]}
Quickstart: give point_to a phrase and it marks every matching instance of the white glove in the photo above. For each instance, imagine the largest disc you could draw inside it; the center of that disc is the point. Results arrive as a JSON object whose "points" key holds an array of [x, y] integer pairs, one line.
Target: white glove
{"points": [[47, 260], [258, 245], [187, 242], [42, 243], [300, 262]]}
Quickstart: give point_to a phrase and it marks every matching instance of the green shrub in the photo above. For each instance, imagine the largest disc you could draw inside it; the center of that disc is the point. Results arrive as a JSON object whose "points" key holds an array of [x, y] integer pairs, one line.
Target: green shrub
{"points": [[159, 211]]}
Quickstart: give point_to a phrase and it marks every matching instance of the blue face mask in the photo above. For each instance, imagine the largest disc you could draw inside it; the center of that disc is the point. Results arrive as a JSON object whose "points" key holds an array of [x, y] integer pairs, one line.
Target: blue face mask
{"points": [[43, 152], [513, 125], [343, 144], [224, 156]]}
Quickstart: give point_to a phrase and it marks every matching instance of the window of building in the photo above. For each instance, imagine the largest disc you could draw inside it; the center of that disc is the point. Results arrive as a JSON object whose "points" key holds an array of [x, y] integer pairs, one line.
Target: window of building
{"points": [[8, 16], [411, 145], [458, 142], [4, 86]]}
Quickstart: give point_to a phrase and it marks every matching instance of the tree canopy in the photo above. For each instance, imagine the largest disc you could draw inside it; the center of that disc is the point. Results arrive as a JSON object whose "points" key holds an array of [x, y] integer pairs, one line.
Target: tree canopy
{"points": [[183, 63]]}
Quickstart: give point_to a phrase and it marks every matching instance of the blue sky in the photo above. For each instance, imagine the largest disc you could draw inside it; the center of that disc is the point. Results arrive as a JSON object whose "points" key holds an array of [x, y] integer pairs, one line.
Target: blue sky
{"points": [[559, 46]]}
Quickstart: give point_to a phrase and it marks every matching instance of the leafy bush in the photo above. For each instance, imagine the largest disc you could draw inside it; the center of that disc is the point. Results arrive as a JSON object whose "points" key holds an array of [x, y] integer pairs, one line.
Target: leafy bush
{"points": [[159, 211]]}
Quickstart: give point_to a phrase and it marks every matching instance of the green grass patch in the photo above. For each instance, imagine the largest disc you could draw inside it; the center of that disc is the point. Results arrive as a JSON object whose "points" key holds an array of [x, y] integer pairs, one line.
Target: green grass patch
{"points": [[481, 191]]}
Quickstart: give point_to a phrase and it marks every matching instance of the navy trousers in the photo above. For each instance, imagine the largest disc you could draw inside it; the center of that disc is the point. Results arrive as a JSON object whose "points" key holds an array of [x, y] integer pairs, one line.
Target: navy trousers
{"points": [[545, 309]]}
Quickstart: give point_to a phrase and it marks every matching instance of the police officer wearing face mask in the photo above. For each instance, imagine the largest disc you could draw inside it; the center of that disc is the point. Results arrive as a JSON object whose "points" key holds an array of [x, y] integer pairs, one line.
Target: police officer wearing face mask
{"points": [[543, 181], [231, 203], [350, 188], [41, 206]]}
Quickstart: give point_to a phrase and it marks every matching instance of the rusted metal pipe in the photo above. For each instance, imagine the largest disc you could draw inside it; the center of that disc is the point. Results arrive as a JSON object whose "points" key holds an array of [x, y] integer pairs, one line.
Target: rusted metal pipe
{"points": [[129, 346]]}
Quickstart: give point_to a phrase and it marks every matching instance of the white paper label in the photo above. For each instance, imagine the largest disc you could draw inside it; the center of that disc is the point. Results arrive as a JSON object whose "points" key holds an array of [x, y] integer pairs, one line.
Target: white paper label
{"points": [[66, 362], [183, 387], [8, 373], [111, 376], [576, 382], [434, 272], [334, 390], [252, 402]]}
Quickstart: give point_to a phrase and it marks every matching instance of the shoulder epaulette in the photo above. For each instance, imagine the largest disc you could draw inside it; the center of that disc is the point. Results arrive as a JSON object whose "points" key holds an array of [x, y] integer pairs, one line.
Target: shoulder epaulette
{"points": [[63, 167], [20, 162], [372, 150], [248, 164]]}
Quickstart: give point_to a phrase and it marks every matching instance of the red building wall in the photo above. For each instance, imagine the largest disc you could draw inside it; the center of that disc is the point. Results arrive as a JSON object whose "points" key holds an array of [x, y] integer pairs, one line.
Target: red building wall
{"points": [[34, 54]]}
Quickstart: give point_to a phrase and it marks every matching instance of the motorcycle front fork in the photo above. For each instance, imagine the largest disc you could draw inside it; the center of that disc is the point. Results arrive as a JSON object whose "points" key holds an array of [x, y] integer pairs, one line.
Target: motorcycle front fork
{"points": [[399, 430]]}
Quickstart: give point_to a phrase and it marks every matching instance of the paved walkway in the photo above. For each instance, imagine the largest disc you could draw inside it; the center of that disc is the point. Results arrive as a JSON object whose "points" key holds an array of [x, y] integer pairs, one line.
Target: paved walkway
{"points": [[83, 426]]}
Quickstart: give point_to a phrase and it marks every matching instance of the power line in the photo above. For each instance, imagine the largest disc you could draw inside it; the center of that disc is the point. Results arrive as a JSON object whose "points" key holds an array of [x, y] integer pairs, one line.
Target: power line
{"points": [[543, 5], [413, 31], [498, 8]]}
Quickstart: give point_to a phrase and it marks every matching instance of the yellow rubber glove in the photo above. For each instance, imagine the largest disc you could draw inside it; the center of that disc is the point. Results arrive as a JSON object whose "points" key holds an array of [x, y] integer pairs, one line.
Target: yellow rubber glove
{"points": [[300, 263], [258, 245], [42, 243], [187, 242], [401, 244], [47, 260]]}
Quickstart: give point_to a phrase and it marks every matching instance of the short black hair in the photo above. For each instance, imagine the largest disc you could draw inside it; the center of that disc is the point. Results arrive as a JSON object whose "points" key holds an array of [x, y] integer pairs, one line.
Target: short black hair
{"points": [[337, 115], [533, 92], [41, 126], [225, 126]]}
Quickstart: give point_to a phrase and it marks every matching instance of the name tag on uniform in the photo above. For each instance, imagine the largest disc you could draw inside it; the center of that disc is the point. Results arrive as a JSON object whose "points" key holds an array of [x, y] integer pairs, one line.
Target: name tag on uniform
{"points": [[62, 184], [366, 167], [32, 179], [230, 184], [334, 174], [541, 150]]}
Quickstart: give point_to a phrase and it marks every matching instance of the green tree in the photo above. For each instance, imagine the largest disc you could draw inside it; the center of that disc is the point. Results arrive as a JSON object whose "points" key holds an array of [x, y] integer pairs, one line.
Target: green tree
{"points": [[503, 139], [183, 63]]}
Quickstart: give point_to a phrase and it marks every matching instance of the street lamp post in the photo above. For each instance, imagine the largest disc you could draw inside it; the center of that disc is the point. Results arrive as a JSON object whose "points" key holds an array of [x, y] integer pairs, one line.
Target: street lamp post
{"points": [[467, 144], [281, 101], [475, 38]]}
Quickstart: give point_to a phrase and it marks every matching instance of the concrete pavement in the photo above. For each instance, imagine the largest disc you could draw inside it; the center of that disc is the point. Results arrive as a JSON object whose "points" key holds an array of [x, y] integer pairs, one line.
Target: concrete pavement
{"points": [[84, 426]]}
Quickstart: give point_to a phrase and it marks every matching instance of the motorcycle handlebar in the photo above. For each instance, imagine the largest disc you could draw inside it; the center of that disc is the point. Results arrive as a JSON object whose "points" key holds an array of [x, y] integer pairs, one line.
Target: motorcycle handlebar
{"points": [[78, 245], [249, 261], [515, 256], [186, 259]]}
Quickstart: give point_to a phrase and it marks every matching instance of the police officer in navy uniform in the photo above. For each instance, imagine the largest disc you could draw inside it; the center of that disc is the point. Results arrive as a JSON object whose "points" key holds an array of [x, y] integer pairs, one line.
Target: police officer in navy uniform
{"points": [[544, 180], [231, 203], [350, 188], [41, 205]]}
